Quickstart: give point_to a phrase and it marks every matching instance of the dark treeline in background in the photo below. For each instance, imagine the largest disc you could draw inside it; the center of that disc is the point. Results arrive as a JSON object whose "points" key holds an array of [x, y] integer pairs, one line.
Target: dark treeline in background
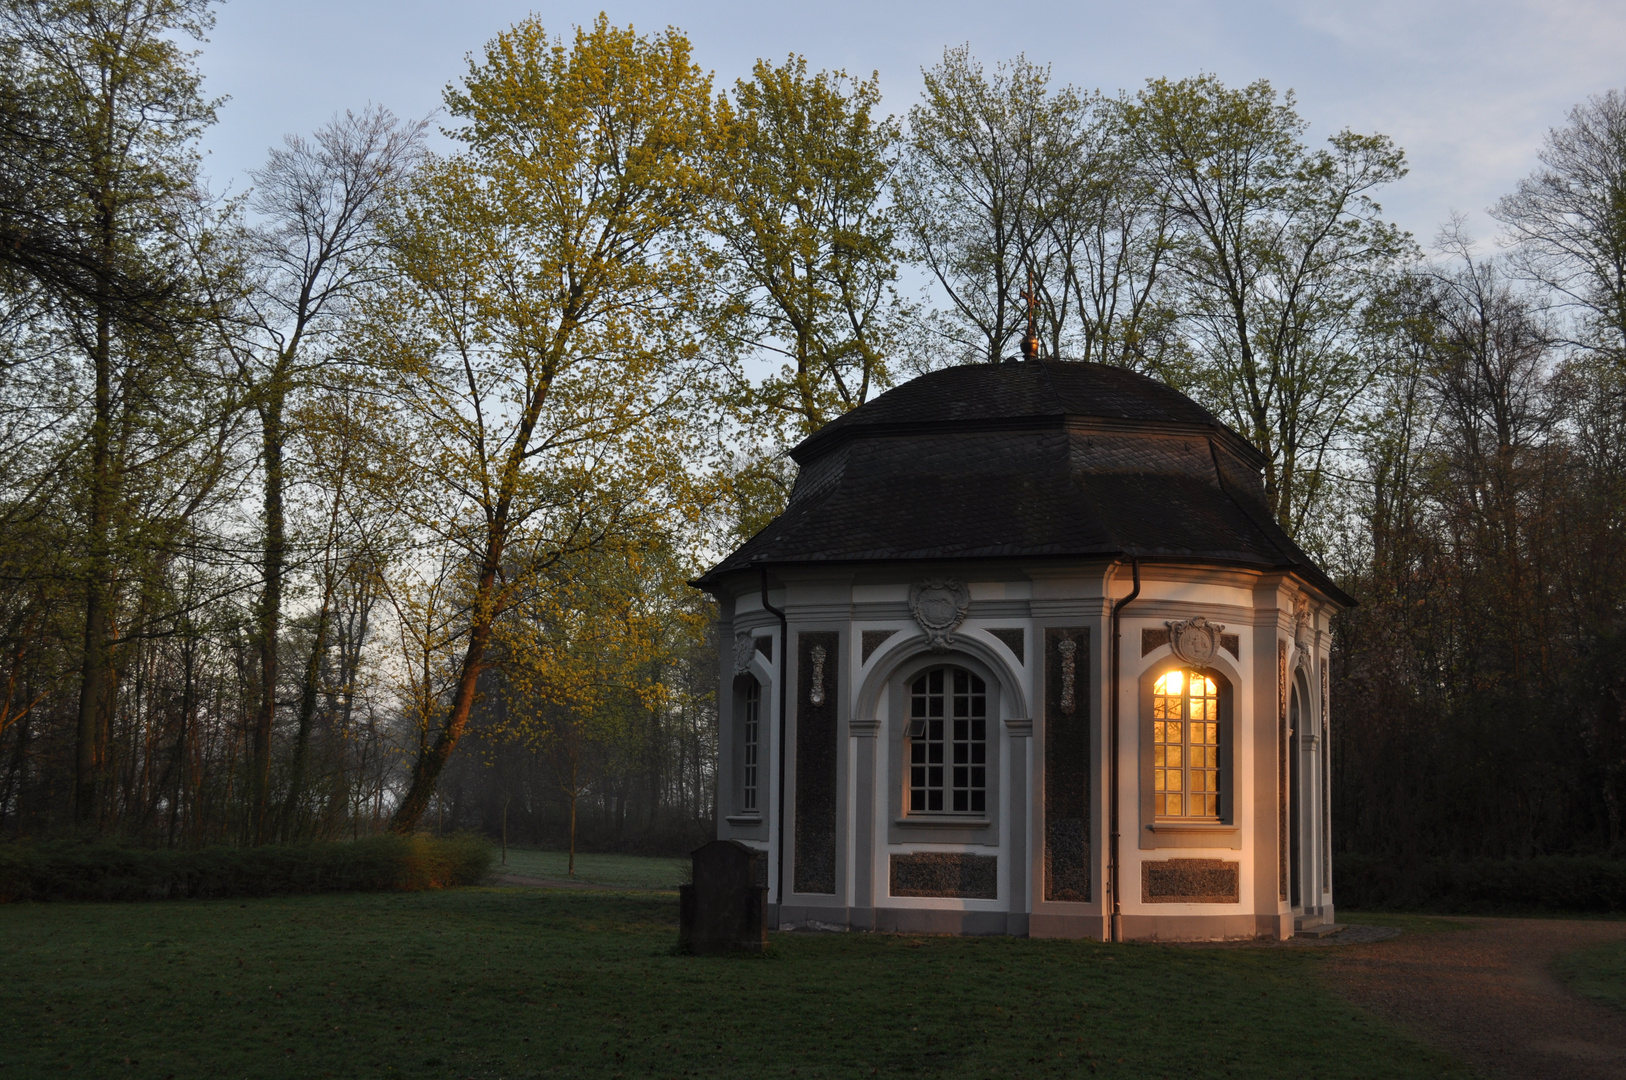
{"points": [[1482, 683], [365, 501]]}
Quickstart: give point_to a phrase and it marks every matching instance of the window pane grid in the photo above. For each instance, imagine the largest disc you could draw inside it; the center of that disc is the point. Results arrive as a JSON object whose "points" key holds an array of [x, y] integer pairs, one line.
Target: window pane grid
{"points": [[1185, 746], [948, 743], [753, 707]]}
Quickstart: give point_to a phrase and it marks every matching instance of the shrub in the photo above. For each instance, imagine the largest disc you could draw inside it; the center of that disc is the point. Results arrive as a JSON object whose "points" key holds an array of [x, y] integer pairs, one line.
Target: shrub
{"points": [[1552, 884], [80, 870]]}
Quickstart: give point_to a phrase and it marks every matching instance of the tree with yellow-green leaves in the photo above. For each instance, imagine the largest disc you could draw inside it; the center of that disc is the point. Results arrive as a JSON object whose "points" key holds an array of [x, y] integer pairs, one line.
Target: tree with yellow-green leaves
{"points": [[588, 648], [538, 331], [129, 429], [801, 163]]}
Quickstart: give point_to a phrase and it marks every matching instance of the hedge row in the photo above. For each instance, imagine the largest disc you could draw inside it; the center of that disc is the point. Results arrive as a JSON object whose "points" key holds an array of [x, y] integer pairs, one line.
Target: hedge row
{"points": [[1551, 884], [66, 870]]}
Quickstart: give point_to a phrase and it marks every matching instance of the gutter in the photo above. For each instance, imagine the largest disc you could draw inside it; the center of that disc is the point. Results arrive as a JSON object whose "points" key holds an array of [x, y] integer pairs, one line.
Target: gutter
{"points": [[779, 789], [1117, 609]]}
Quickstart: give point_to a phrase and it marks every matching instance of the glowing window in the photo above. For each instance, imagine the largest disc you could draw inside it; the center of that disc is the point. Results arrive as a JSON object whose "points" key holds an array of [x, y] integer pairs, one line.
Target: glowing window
{"points": [[1185, 746], [948, 743]]}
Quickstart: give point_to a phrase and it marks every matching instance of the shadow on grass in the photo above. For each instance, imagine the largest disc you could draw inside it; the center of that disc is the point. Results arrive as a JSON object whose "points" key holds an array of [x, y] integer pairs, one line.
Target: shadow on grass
{"points": [[534, 983]]}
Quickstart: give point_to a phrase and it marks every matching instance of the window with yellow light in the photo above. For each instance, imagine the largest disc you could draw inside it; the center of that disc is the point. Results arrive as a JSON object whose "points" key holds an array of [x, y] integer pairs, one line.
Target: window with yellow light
{"points": [[1185, 746]]}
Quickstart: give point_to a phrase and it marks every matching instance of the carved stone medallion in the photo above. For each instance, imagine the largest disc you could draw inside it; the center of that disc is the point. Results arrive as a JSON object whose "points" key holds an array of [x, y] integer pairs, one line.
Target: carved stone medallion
{"points": [[1194, 641], [939, 606], [744, 646]]}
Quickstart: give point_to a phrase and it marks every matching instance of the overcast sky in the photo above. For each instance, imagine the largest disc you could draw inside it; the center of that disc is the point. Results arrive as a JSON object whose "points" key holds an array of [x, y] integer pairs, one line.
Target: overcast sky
{"points": [[1468, 89]]}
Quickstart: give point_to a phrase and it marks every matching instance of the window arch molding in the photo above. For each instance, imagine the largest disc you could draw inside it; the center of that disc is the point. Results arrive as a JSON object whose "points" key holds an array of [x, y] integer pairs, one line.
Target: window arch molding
{"points": [[1157, 830], [975, 645], [885, 679]]}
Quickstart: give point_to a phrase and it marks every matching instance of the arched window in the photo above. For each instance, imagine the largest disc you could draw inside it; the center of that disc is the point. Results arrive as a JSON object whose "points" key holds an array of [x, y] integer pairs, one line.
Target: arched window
{"points": [[750, 743], [1185, 746], [948, 742]]}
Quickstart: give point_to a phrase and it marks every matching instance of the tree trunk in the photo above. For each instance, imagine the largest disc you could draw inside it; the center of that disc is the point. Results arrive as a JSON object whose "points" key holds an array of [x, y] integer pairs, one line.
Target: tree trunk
{"points": [[93, 667], [307, 717], [483, 612], [432, 756], [575, 793], [270, 611]]}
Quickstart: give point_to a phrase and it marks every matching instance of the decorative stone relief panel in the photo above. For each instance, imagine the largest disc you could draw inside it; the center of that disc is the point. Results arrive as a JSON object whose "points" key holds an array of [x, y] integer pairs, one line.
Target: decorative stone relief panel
{"points": [[819, 655], [1191, 881], [1151, 639], [939, 606], [745, 646], [1067, 764], [945, 873], [1303, 634], [1195, 641], [1068, 651], [816, 753]]}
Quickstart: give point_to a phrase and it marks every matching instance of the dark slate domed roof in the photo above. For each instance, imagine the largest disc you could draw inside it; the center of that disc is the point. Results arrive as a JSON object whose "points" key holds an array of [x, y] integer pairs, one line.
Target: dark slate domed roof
{"points": [[1039, 459]]}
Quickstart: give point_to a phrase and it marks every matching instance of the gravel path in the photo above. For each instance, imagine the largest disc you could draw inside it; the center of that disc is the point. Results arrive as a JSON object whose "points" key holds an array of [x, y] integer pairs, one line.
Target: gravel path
{"points": [[1488, 993]]}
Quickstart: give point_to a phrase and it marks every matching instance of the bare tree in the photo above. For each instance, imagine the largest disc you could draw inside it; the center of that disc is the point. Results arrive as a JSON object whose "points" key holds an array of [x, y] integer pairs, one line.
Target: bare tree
{"points": [[980, 151], [1567, 221], [1277, 252], [315, 245], [1105, 233]]}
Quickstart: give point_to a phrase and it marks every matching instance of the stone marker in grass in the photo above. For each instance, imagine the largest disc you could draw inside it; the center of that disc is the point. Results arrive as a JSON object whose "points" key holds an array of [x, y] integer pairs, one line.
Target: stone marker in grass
{"points": [[725, 909]]}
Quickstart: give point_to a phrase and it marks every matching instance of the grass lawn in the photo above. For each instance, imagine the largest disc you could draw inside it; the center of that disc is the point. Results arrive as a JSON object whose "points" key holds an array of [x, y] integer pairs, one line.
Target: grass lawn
{"points": [[529, 983], [1599, 973], [619, 871]]}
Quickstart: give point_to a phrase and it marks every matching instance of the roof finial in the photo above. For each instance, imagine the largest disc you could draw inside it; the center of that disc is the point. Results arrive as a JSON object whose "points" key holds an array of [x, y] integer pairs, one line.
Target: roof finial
{"points": [[1030, 342]]}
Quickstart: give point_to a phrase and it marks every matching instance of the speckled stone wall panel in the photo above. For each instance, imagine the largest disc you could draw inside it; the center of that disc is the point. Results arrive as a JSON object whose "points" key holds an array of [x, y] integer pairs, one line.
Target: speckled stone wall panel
{"points": [[1232, 644], [764, 645], [946, 873], [872, 640], [1067, 768], [1015, 639], [816, 763], [1190, 881]]}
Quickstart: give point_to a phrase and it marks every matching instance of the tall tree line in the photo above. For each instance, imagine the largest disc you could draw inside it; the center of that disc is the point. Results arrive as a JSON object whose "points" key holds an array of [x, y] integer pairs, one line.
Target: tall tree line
{"points": [[1483, 677], [367, 500]]}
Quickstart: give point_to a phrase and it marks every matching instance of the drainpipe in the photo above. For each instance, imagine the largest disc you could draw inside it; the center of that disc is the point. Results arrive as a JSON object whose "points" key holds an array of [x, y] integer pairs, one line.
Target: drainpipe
{"points": [[1117, 609], [784, 650]]}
